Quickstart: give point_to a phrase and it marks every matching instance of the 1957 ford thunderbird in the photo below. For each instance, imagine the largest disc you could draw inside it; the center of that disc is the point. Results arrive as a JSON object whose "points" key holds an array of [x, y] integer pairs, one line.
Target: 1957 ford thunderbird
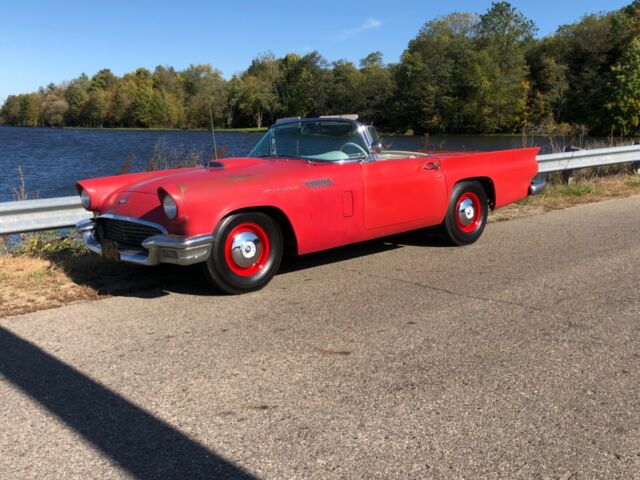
{"points": [[310, 184]]}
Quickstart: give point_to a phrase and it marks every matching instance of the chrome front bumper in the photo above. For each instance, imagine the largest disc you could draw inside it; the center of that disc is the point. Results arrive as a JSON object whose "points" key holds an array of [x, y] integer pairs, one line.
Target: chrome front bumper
{"points": [[165, 248]]}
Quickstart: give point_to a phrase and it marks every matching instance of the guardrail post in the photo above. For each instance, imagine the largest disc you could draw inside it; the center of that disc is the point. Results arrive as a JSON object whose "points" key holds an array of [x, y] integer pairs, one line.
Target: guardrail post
{"points": [[567, 177], [636, 165]]}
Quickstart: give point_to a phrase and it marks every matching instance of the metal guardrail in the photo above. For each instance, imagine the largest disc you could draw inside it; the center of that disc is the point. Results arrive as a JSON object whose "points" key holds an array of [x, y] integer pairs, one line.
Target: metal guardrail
{"points": [[598, 157], [62, 212], [46, 214]]}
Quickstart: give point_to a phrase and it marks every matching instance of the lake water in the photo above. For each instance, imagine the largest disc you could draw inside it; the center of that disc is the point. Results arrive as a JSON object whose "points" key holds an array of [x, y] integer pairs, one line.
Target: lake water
{"points": [[53, 159]]}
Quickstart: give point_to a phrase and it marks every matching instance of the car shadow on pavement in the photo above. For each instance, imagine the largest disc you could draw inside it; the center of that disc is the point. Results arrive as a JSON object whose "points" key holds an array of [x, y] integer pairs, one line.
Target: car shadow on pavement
{"points": [[419, 238], [118, 279], [140, 443]]}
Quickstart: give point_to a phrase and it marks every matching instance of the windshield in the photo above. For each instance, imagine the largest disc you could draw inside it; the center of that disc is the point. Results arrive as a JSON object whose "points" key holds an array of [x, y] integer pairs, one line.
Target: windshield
{"points": [[321, 141], [371, 130]]}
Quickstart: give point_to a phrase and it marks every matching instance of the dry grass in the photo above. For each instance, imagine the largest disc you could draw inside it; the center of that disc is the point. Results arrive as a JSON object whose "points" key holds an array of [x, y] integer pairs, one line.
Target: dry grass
{"points": [[31, 281], [558, 196], [52, 272]]}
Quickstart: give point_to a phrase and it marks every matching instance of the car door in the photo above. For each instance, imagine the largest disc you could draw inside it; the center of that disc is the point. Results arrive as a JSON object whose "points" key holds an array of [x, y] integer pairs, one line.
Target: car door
{"points": [[403, 191]]}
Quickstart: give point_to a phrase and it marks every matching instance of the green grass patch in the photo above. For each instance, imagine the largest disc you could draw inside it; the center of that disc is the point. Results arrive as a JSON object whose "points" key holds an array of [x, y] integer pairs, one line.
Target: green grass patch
{"points": [[633, 182], [40, 275], [572, 190], [48, 244]]}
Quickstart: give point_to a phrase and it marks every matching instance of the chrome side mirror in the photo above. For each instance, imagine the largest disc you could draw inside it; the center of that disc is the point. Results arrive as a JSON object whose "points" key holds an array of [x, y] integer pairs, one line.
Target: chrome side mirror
{"points": [[377, 147]]}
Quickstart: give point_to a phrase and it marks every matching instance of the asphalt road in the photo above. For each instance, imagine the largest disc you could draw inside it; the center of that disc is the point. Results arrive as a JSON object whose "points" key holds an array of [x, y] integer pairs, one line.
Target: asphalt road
{"points": [[516, 357]]}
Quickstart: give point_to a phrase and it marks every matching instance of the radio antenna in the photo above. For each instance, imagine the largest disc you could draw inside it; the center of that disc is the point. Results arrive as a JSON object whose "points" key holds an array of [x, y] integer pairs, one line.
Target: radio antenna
{"points": [[213, 134]]}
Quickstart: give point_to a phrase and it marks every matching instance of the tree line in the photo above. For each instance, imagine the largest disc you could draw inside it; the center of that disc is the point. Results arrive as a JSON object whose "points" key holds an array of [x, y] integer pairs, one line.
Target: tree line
{"points": [[462, 73]]}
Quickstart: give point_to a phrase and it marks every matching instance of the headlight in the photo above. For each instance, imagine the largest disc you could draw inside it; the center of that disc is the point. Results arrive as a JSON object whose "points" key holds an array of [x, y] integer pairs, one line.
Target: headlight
{"points": [[170, 208], [85, 199]]}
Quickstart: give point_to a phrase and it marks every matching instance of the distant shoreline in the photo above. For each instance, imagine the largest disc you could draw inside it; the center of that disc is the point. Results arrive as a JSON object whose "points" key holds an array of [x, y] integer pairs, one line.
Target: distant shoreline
{"points": [[168, 129], [264, 130], [151, 129]]}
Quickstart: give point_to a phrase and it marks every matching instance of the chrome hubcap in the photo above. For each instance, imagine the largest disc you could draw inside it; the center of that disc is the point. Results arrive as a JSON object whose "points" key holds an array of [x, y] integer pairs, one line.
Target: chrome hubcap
{"points": [[466, 212], [245, 249]]}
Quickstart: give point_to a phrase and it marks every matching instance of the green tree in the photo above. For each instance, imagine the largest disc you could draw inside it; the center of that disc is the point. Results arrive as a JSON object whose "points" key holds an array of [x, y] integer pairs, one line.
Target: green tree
{"points": [[76, 94], [589, 48], [94, 110], [344, 89], [10, 112], [259, 93], [169, 97], [434, 75], [204, 89], [377, 89], [142, 105], [374, 59], [302, 87], [501, 71], [625, 99], [104, 80], [233, 90], [119, 107]]}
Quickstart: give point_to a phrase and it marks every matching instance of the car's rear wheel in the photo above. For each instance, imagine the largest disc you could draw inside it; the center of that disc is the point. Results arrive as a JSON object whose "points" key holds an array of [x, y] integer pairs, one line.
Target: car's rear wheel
{"points": [[246, 253], [466, 215]]}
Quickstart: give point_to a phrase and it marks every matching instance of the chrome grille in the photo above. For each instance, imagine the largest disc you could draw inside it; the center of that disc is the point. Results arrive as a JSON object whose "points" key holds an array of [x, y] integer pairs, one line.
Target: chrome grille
{"points": [[124, 231]]}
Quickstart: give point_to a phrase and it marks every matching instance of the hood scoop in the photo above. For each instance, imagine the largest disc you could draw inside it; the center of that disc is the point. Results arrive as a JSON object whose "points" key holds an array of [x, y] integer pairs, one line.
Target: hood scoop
{"points": [[215, 164]]}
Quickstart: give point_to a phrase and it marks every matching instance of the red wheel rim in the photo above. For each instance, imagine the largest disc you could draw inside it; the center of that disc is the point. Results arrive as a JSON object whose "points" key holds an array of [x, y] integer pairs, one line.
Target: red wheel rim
{"points": [[246, 249], [468, 212]]}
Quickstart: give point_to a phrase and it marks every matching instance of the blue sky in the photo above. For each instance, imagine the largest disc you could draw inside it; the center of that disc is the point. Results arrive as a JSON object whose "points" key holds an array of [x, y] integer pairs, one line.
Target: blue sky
{"points": [[44, 41]]}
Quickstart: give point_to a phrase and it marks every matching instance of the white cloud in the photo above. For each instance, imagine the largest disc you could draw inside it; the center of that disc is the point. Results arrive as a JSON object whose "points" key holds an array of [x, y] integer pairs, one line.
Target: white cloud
{"points": [[370, 24]]}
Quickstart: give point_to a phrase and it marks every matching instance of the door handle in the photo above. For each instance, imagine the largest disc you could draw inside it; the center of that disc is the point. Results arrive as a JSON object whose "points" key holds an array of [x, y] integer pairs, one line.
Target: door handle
{"points": [[432, 166]]}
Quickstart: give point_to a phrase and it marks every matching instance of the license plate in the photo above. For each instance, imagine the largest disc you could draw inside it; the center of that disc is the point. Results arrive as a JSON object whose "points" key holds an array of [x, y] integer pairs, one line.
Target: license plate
{"points": [[110, 250]]}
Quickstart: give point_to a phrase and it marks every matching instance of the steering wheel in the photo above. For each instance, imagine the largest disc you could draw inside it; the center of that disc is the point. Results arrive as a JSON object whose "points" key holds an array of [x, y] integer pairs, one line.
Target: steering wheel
{"points": [[351, 144]]}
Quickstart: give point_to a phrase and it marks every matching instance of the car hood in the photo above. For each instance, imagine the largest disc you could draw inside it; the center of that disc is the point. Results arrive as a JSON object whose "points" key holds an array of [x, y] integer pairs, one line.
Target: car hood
{"points": [[229, 171], [139, 196]]}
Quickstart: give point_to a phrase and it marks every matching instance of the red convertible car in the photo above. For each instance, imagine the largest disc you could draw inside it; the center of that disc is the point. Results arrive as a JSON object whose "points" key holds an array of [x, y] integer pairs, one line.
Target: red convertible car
{"points": [[310, 184]]}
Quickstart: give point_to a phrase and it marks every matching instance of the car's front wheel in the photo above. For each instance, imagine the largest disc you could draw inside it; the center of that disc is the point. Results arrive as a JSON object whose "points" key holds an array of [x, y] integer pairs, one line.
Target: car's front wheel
{"points": [[246, 253], [466, 215]]}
